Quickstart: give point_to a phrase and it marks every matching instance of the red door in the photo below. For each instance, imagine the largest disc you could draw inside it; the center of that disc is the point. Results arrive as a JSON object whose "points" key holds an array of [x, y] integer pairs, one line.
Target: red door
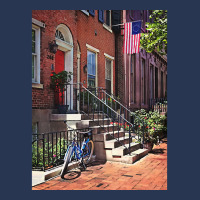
{"points": [[59, 66]]}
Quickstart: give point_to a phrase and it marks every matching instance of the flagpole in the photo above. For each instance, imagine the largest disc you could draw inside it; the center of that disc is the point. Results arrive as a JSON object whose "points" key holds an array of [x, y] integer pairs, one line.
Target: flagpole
{"points": [[127, 22]]}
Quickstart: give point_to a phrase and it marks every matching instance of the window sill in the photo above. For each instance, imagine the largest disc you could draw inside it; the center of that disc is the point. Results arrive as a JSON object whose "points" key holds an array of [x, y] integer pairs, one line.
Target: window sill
{"points": [[107, 28], [85, 12], [37, 85]]}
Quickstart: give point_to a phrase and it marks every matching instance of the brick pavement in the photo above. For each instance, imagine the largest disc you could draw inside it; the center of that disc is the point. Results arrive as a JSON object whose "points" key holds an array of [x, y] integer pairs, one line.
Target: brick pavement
{"points": [[149, 173]]}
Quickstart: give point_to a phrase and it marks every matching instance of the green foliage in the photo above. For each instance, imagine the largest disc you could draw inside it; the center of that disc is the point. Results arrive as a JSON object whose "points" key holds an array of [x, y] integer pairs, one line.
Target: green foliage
{"points": [[60, 79], [153, 124], [54, 153], [156, 37]]}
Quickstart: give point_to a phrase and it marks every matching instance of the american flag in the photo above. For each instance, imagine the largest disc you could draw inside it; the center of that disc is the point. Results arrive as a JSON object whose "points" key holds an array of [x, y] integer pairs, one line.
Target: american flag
{"points": [[132, 37]]}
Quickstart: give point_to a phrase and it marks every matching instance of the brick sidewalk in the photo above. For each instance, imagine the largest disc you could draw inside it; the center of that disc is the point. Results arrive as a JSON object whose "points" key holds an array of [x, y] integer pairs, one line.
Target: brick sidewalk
{"points": [[149, 173]]}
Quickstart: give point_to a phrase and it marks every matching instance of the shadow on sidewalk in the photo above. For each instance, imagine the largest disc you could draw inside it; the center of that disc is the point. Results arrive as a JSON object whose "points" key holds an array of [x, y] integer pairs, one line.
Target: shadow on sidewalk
{"points": [[157, 151], [75, 173]]}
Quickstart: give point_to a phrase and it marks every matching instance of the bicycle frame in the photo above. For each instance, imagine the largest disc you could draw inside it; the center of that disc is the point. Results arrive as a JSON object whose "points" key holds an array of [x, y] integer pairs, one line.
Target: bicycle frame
{"points": [[77, 149]]}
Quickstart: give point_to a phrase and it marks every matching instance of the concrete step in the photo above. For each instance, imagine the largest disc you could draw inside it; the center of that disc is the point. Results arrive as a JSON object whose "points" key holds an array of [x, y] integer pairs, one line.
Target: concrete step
{"points": [[89, 123], [91, 116], [111, 135], [121, 151], [134, 156], [106, 128], [114, 143], [98, 122]]}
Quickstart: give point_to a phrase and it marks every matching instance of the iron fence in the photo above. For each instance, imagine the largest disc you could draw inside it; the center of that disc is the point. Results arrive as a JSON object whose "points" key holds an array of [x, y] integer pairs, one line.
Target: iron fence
{"points": [[158, 104], [48, 149]]}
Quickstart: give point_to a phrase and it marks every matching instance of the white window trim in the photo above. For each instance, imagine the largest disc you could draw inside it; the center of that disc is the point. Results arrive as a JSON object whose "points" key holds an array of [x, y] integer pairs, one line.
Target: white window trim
{"points": [[38, 23], [111, 58], [37, 47], [94, 50], [37, 85], [91, 48], [85, 12], [108, 28], [108, 56]]}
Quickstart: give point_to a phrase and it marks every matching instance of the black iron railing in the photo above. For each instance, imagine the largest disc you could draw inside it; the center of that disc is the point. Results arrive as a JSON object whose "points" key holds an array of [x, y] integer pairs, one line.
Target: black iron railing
{"points": [[158, 104], [48, 149], [99, 106]]}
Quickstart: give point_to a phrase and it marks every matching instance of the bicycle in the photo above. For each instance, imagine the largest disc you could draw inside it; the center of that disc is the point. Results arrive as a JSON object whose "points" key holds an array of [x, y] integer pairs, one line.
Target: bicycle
{"points": [[83, 154]]}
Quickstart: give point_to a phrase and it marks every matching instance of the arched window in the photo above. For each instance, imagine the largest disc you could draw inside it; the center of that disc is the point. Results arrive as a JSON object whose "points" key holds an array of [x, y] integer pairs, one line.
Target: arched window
{"points": [[59, 35]]}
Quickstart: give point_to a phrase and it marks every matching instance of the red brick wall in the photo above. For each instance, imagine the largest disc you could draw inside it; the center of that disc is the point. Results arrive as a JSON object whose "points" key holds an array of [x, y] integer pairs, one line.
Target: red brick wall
{"points": [[83, 29], [104, 41]]}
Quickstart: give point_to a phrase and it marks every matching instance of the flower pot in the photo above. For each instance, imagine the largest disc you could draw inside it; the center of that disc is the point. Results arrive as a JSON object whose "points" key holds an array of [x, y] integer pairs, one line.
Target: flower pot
{"points": [[62, 109], [148, 146]]}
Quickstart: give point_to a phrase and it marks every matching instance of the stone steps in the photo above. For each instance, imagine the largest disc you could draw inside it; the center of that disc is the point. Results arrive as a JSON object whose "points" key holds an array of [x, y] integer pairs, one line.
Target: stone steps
{"points": [[123, 150], [112, 135], [106, 128], [106, 144], [91, 116], [114, 143]]}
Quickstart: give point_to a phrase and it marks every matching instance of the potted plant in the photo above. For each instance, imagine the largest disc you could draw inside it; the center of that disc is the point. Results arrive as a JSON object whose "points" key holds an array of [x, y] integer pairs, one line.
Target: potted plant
{"points": [[58, 83]]}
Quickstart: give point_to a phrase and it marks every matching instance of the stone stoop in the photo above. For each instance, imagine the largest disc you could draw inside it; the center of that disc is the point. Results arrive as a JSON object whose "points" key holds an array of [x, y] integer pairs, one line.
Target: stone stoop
{"points": [[106, 145]]}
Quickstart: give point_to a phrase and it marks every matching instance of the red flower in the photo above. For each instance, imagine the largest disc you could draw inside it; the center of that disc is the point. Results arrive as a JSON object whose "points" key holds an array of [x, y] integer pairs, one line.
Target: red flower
{"points": [[147, 127], [145, 117], [139, 126]]}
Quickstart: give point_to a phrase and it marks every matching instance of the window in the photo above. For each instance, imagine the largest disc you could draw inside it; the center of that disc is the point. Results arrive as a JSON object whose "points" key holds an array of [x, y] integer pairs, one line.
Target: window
{"points": [[92, 12], [91, 68], [133, 79], [162, 89], [86, 12], [89, 12], [143, 82], [107, 15], [151, 82], [35, 54], [101, 15], [59, 35], [156, 82], [108, 75]]}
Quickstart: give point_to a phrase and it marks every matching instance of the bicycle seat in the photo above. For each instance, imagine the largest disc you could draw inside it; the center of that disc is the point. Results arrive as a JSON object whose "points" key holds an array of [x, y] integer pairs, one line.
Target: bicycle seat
{"points": [[86, 133]]}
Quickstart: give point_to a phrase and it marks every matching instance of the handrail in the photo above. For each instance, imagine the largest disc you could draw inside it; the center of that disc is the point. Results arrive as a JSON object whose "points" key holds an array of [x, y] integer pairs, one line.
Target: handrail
{"points": [[132, 113], [107, 105], [123, 119]]}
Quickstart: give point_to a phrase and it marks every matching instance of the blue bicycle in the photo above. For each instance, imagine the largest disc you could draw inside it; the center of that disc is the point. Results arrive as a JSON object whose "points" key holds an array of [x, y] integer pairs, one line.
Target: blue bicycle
{"points": [[83, 154]]}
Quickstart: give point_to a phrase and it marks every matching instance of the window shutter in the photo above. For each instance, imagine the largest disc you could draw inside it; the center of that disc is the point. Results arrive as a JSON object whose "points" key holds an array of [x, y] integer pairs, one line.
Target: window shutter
{"points": [[92, 12], [116, 19], [101, 16]]}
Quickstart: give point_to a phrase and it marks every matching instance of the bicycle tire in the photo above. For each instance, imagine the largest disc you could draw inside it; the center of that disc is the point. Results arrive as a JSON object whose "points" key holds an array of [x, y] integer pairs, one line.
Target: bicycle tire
{"points": [[89, 148], [67, 160]]}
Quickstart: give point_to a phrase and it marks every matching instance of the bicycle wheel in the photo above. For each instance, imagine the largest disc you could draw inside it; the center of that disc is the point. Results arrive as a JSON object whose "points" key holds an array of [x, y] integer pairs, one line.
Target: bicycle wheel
{"points": [[88, 151], [67, 160]]}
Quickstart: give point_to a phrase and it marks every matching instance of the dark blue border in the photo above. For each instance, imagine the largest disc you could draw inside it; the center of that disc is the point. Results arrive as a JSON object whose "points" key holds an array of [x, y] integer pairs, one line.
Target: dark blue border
{"points": [[183, 87]]}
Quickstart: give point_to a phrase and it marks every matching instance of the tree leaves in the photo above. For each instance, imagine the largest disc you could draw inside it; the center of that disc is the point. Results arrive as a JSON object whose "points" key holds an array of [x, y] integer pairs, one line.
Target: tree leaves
{"points": [[156, 36]]}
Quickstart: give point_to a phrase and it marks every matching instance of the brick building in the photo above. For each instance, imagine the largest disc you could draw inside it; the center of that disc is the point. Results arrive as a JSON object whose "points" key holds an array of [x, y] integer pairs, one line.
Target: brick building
{"points": [[91, 48], [85, 40]]}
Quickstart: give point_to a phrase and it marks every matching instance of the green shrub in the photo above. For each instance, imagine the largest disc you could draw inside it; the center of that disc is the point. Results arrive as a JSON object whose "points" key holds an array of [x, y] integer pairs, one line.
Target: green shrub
{"points": [[153, 124]]}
